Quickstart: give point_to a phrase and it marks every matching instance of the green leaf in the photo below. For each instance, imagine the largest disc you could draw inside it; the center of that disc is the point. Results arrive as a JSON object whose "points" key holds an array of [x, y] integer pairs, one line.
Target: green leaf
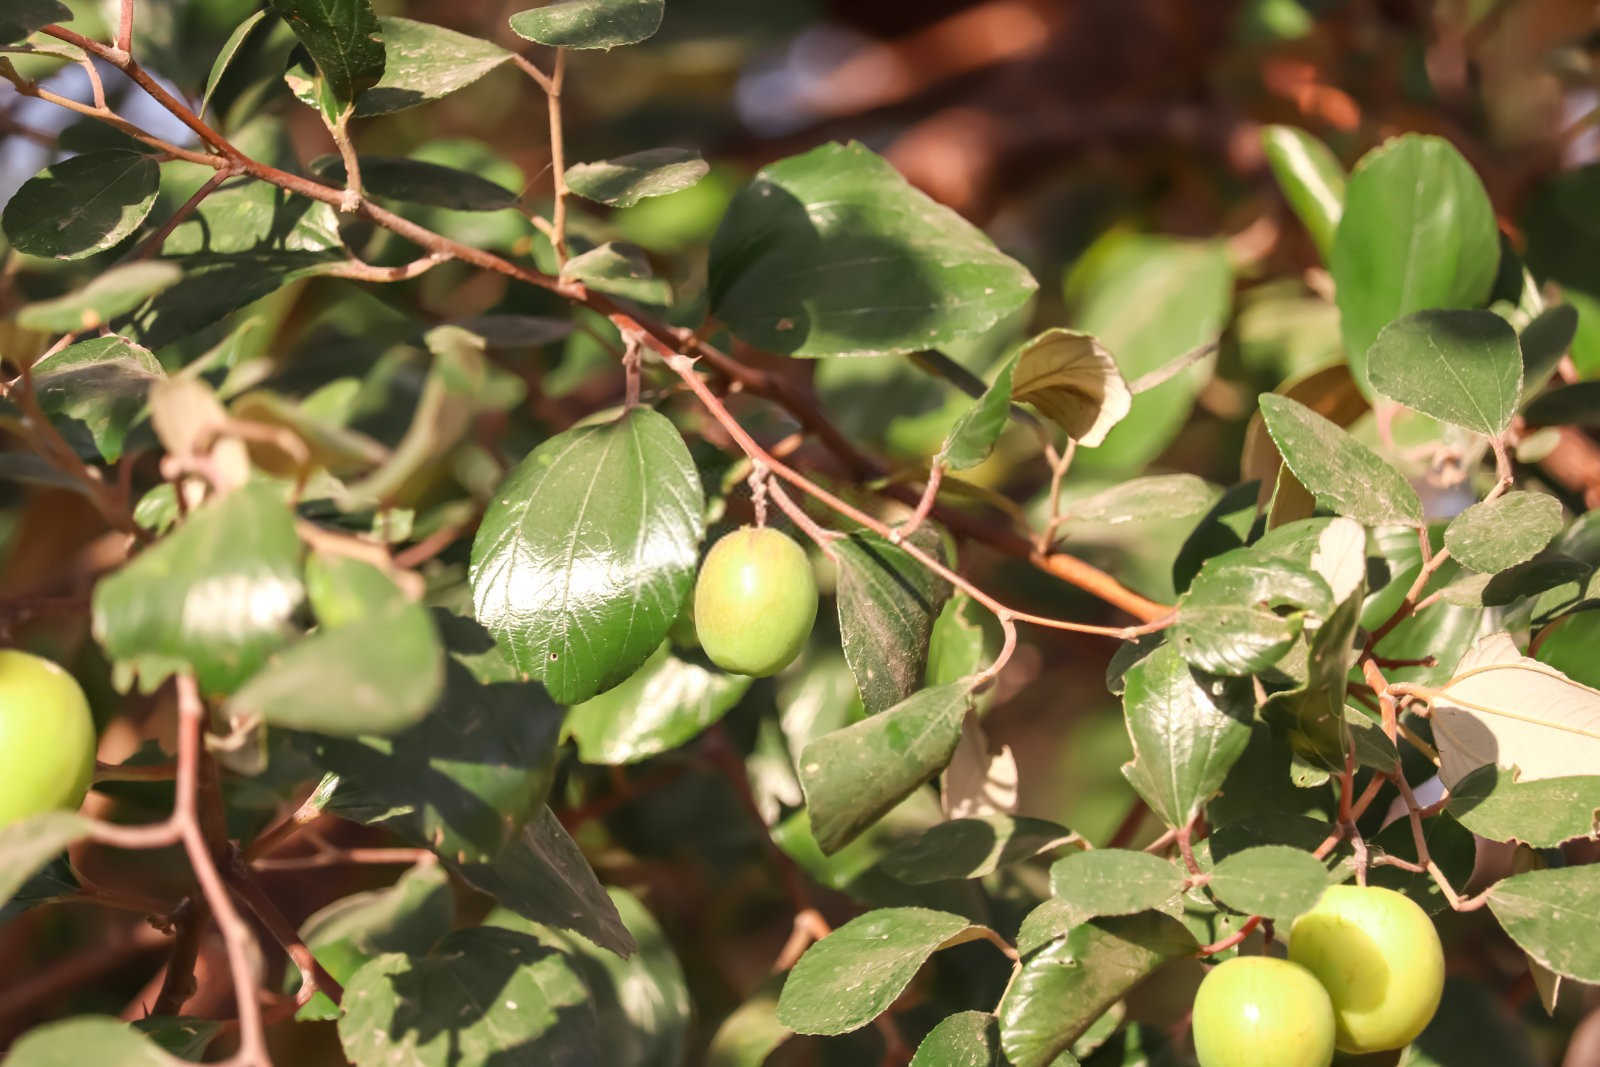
{"points": [[1492, 803], [1544, 341], [82, 205], [1073, 381], [184, 1037], [833, 253], [666, 703], [343, 38], [102, 383], [1311, 179], [966, 638], [1156, 498], [852, 777], [1417, 232], [1495, 534], [1569, 646], [484, 996], [1473, 1029], [972, 437], [417, 182], [965, 1039], [887, 603], [469, 775], [1275, 881], [230, 49], [1187, 731], [587, 551], [972, 848], [1062, 990], [1464, 367], [604, 24], [424, 63], [1243, 612], [852, 976], [1344, 475], [22, 17], [626, 180], [27, 845], [115, 292], [218, 594], [214, 287], [1577, 404], [621, 270], [407, 917], [543, 876], [87, 1039], [1313, 712], [1554, 915], [1049, 920], [751, 1032], [255, 222], [1114, 881]]}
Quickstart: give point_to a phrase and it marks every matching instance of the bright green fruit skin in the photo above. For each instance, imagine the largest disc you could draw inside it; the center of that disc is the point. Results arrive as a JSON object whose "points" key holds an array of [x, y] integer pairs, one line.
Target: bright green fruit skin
{"points": [[755, 601], [47, 739], [1378, 955], [1257, 1011]]}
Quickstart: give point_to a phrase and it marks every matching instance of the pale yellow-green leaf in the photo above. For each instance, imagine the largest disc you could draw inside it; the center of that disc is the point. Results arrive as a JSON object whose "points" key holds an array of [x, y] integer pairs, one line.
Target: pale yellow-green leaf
{"points": [[1074, 382]]}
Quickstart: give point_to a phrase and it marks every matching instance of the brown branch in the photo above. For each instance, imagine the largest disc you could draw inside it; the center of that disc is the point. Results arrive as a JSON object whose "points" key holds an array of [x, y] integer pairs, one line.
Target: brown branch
{"points": [[178, 984], [152, 244], [312, 975]]}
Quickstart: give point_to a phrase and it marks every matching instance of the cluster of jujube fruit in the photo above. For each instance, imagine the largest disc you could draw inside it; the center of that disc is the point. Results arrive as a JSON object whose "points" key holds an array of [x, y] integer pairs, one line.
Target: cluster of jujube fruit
{"points": [[1365, 973]]}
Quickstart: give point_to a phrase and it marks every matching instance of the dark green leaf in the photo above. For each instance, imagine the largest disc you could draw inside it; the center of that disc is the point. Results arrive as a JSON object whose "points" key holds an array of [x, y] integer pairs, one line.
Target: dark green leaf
{"points": [[82, 205], [1577, 404], [834, 253], [887, 602], [1464, 367], [1272, 880], [1311, 179], [852, 976], [28, 844], [115, 292], [1569, 646], [973, 435], [1062, 990], [1114, 881], [416, 182], [626, 180], [1343, 474], [1313, 712], [1495, 534], [343, 38], [621, 270], [965, 1039], [666, 703], [87, 1039], [22, 17], [215, 286], [1544, 341], [186, 1038], [972, 848], [585, 555], [217, 594], [852, 777], [1417, 232], [230, 49], [425, 62], [1492, 803], [1242, 612], [1187, 730], [102, 383], [1554, 915], [1052, 919], [1473, 1028], [604, 24]]}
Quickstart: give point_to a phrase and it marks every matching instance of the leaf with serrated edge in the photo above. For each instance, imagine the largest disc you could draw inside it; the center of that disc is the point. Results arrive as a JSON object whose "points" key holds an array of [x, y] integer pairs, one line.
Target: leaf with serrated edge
{"points": [[887, 603], [1554, 915], [626, 180], [1074, 382], [603, 24], [1464, 367], [1114, 881], [1343, 474], [1496, 534], [343, 38]]}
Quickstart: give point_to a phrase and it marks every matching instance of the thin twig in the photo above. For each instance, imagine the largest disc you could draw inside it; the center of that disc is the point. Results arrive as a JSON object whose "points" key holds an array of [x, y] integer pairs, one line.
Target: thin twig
{"points": [[152, 244], [558, 157]]}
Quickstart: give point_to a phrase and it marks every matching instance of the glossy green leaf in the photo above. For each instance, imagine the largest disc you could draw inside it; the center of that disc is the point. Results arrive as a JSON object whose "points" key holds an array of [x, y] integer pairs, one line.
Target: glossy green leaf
{"points": [[833, 253], [423, 63], [1554, 915], [115, 292], [966, 638], [1187, 731], [1417, 232], [418, 182], [482, 996], [603, 24], [407, 917], [1464, 367], [1271, 880], [887, 603], [102, 383], [621, 270], [587, 551], [972, 437], [1073, 381], [1343, 474], [1063, 989], [965, 1039], [852, 976], [853, 776], [1049, 920], [230, 49], [1492, 803], [626, 180], [972, 848], [1510, 529], [82, 205], [1114, 881], [1242, 612], [27, 845], [343, 38], [1311, 179], [22, 17], [218, 594], [87, 1039], [666, 703], [1577, 404]]}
